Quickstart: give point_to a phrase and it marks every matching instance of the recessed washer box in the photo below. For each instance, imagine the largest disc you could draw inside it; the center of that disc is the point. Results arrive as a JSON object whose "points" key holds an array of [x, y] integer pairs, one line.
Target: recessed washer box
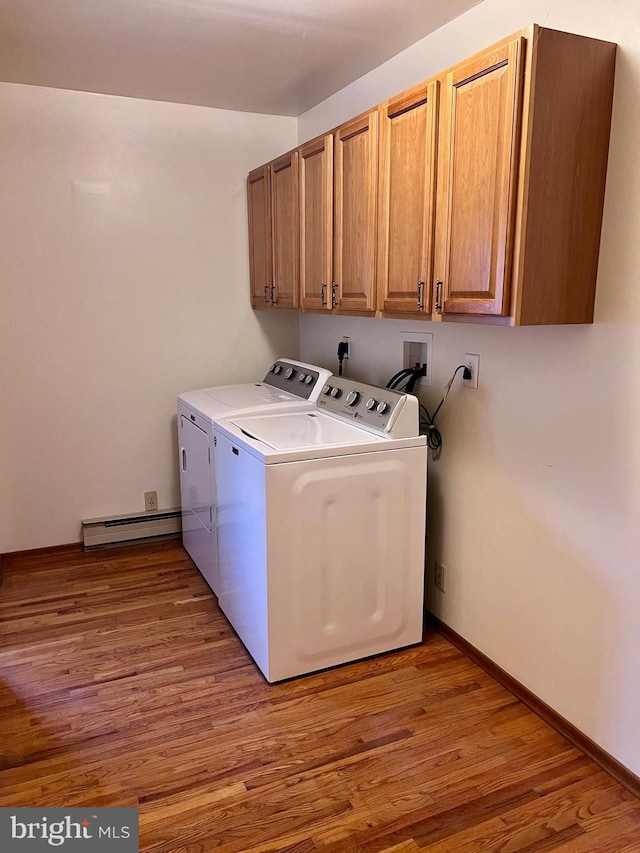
{"points": [[417, 348]]}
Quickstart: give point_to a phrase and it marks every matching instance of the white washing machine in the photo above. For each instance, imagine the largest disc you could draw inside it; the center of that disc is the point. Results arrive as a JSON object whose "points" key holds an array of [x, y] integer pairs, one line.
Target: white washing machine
{"points": [[321, 528], [288, 385]]}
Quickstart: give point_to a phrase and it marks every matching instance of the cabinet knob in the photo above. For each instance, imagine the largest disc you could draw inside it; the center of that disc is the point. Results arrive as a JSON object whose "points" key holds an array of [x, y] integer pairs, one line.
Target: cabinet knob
{"points": [[266, 293], [420, 295], [273, 294], [334, 298], [323, 295]]}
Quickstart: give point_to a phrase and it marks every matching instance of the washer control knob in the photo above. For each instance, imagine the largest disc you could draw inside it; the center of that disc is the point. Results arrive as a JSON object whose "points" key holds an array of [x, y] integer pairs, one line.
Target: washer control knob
{"points": [[309, 379], [290, 373], [276, 369], [382, 407], [370, 404], [353, 397], [335, 392], [327, 390], [302, 377]]}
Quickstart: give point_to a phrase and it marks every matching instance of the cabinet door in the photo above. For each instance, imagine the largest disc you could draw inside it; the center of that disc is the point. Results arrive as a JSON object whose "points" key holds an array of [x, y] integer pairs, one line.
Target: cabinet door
{"points": [[478, 162], [406, 200], [316, 223], [284, 213], [260, 257], [355, 193]]}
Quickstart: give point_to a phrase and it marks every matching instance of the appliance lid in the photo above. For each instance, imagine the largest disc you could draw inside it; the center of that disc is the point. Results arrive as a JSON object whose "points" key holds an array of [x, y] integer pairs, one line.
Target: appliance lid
{"points": [[227, 400], [303, 431], [240, 396]]}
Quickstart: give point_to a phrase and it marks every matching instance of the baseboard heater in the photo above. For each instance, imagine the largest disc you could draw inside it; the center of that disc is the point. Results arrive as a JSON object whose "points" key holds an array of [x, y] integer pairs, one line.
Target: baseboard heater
{"points": [[121, 529]]}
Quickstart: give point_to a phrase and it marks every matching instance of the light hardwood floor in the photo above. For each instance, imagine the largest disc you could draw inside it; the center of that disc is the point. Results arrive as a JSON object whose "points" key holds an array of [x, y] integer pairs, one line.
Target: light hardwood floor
{"points": [[123, 685]]}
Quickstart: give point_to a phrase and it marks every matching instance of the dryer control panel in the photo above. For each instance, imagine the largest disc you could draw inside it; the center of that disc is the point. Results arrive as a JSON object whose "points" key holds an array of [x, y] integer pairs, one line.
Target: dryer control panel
{"points": [[378, 409], [291, 376]]}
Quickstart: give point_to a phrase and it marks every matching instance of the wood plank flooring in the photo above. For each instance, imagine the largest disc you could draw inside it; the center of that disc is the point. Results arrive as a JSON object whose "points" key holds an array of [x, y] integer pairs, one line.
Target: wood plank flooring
{"points": [[123, 685]]}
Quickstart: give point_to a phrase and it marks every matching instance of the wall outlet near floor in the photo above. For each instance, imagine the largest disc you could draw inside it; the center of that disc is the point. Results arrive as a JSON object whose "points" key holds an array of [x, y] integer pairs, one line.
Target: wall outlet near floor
{"points": [[472, 362], [440, 577], [150, 501]]}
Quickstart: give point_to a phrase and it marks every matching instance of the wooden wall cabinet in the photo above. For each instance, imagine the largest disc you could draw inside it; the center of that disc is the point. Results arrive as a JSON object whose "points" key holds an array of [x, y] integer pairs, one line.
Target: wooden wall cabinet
{"points": [[522, 158], [475, 196], [316, 223], [355, 210], [272, 200], [260, 251], [406, 200], [285, 233], [338, 197], [479, 149]]}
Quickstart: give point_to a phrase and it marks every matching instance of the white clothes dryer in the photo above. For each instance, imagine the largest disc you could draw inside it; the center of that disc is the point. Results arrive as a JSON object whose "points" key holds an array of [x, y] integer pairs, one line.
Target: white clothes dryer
{"points": [[288, 385], [321, 528]]}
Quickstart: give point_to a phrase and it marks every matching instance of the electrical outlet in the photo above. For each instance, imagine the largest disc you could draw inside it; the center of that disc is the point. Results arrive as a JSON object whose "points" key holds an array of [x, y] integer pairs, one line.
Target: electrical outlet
{"points": [[347, 341], [150, 501], [472, 362], [440, 577], [417, 349]]}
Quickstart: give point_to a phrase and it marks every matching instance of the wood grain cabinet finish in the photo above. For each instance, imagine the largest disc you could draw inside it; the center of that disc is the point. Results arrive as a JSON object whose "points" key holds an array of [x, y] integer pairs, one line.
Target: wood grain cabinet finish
{"points": [[272, 200], [406, 200], [316, 223], [480, 132], [260, 249], [338, 198], [355, 200], [284, 222], [476, 196], [522, 157]]}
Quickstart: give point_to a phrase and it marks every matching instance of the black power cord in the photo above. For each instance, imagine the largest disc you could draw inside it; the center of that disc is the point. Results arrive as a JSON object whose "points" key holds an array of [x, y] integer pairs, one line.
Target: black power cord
{"points": [[343, 349], [400, 375], [410, 376]]}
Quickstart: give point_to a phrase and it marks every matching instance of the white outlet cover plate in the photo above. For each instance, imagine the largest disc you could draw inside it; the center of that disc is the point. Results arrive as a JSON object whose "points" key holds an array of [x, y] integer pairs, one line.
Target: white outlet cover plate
{"points": [[473, 361]]}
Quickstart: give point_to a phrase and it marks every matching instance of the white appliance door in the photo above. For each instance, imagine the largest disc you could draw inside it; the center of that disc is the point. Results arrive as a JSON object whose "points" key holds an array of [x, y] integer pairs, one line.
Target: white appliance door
{"points": [[197, 498]]}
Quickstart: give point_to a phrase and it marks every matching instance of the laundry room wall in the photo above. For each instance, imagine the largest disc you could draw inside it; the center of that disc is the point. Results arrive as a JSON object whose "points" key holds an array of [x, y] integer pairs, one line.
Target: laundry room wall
{"points": [[534, 503], [123, 281]]}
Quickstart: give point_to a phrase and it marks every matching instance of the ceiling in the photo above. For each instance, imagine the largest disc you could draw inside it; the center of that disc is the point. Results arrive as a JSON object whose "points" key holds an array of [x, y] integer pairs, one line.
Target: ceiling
{"points": [[271, 56]]}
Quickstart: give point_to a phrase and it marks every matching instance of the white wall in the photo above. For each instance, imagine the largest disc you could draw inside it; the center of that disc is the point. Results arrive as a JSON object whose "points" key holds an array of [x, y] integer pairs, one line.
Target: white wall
{"points": [[534, 506], [123, 281]]}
